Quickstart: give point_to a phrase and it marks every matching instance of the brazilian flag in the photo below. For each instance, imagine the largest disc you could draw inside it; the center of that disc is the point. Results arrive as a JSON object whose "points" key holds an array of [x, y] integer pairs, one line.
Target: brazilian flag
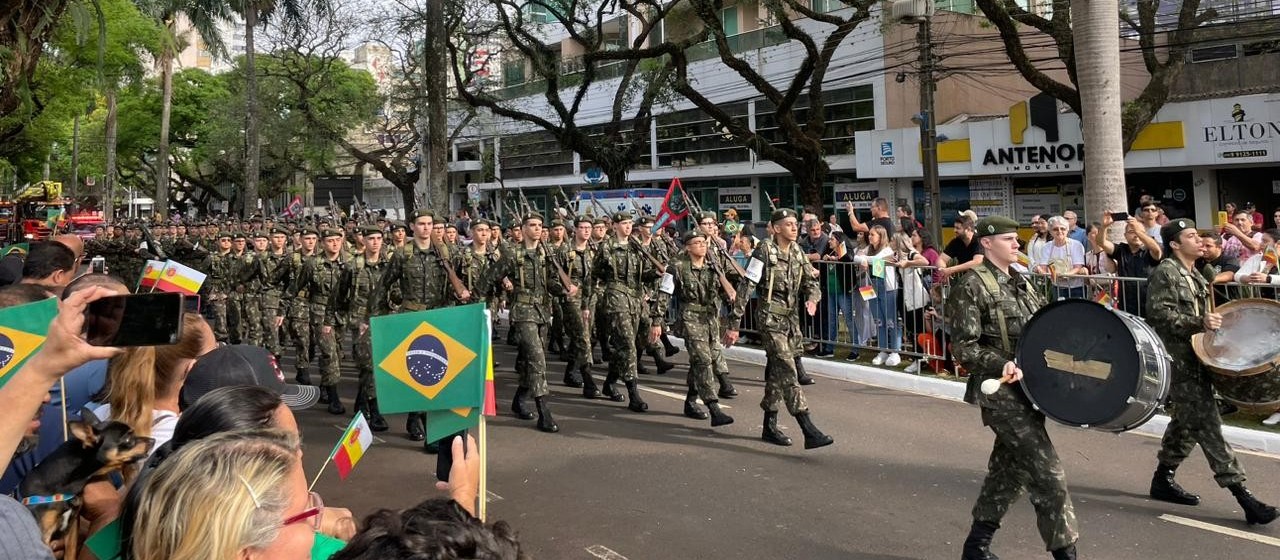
{"points": [[431, 360], [22, 331]]}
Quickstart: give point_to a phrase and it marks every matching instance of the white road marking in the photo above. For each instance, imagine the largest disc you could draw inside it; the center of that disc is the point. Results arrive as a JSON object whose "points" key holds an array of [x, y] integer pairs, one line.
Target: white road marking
{"points": [[604, 553], [1221, 530], [493, 497], [342, 428], [674, 395]]}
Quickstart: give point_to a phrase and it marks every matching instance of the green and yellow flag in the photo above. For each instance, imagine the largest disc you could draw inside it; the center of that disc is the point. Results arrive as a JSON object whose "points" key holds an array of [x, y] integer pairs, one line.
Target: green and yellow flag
{"points": [[22, 332], [444, 423], [430, 360]]}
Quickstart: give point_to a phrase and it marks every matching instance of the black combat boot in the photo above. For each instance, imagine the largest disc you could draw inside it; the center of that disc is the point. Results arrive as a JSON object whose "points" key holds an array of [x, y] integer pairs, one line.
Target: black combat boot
{"points": [[545, 422], [1165, 489], [302, 377], [1065, 553], [1255, 512], [670, 348], [771, 433], [978, 545], [640, 368], [335, 403], [589, 389], [691, 408], [362, 403], [517, 405], [414, 426], [813, 437], [661, 361], [637, 404], [801, 375], [571, 377], [610, 391], [718, 417], [727, 390], [376, 422]]}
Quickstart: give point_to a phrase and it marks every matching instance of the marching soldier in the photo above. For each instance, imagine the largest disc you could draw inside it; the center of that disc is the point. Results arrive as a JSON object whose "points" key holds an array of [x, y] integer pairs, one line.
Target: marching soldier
{"points": [[622, 271], [359, 298], [707, 225], [272, 268], [253, 282], [698, 290], [658, 252], [399, 235], [1178, 307], [318, 280], [220, 278], [575, 259], [236, 324], [782, 277], [555, 337], [986, 312], [417, 273], [525, 272], [297, 318]]}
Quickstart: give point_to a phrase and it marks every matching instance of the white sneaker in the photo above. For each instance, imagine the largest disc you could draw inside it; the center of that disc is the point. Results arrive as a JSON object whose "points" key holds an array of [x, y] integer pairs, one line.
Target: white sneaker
{"points": [[914, 367], [1272, 420], [879, 359], [893, 360]]}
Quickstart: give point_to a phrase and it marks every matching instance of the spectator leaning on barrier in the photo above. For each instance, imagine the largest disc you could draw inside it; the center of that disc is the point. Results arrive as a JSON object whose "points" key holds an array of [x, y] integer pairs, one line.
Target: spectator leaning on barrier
{"points": [[1256, 269], [1238, 238], [880, 260], [1134, 258], [1062, 258]]}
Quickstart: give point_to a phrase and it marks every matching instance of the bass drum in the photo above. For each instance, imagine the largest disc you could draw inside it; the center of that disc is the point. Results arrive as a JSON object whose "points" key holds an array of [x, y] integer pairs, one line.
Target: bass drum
{"points": [[1087, 365], [1244, 354]]}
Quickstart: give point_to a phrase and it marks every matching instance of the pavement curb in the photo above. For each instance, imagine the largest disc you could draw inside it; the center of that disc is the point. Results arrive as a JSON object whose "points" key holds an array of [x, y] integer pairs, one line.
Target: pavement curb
{"points": [[1241, 438]]}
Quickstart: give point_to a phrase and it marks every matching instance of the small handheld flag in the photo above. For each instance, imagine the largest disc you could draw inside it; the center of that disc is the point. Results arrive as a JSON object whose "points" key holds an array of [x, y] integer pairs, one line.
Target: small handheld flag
{"points": [[868, 293], [431, 360], [150, 274], [352, 446], [179, 278], [22, 331], [1103, 297]]}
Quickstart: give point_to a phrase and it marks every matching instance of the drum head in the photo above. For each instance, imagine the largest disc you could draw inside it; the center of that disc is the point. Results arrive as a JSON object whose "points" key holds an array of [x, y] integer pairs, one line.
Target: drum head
{"points": [[1249, 340], [1080, 362]]}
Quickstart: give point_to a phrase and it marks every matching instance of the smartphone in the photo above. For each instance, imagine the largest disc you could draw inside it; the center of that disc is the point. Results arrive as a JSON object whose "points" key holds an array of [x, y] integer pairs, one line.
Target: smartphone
{"points": [[98, 265], [444, 459], [1119, 216], [1223, 218], [153, 319], [191, 304]]}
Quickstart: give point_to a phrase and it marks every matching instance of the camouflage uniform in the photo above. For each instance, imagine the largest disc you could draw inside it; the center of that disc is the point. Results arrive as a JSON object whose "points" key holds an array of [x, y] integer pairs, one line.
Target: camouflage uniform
{"points": [[531, 275], [1023, 458], [622, 272], [319, 279], [576, 263], [297, 316], [359, 298], [1176, 302], [272, 269], [658, 251], [220, 278], [698, 292], [251, 298]]}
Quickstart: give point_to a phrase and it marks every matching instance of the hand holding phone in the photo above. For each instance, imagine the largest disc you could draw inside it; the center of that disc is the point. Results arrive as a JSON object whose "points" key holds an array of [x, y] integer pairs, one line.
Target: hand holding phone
{"points": [[134, 320], [1119, 216], [458, 469]]}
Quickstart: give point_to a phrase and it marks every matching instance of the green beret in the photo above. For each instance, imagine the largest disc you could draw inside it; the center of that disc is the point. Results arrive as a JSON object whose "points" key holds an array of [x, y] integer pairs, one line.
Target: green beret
{"points": [[1170, 231], [397, 224], [279, 231], [310, 231], [707, 215], [333, 232], [424, 212], [995, 225], [583, 218], [646, 221], [599, 221], [782, 214], [239, 235], [224, 235], [261, 234], [691, 235], [557, 223], [623, 217], [371, 230], [533, 216]]}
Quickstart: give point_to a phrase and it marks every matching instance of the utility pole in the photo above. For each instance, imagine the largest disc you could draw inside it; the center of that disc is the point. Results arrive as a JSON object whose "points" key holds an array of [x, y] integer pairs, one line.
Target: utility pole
{"points": [[929, 129]]}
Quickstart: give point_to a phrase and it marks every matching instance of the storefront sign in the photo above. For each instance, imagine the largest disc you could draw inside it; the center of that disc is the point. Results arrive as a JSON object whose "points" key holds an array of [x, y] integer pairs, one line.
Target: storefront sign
{"points": [[1245, 132], [1030, 201], [860, 194], [989, 197], [1015, 159], [737, 198]]}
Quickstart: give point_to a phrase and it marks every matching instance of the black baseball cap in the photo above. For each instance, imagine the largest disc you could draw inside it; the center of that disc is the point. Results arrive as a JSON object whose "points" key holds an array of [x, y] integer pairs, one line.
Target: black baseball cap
{"points": [[242, 364]]}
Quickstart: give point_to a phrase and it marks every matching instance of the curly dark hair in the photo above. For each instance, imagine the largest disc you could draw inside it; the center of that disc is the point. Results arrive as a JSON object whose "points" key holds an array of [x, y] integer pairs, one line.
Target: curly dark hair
{"points": [[437, 529]]}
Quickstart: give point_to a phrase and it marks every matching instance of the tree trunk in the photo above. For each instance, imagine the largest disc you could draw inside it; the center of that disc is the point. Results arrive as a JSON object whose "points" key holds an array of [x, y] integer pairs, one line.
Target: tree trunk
{"points": [[252, 148], [437, 156], [1096, 22], [109, 175], [161, 206]]}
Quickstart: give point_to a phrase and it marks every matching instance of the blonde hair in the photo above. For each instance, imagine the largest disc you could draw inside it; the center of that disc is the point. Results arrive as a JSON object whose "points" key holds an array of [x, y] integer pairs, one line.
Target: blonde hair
{"points": [[881, 234], [136, 378], [215, 498]]}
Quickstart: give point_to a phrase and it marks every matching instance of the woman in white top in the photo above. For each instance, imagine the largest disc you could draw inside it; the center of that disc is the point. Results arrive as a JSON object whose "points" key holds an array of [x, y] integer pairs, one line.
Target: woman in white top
{"points": [[1062, 258], [1256, 269], [880, 258]]}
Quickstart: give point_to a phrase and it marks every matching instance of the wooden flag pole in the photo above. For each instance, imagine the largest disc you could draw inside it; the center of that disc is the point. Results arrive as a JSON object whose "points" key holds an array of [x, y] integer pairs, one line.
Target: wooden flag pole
{"points": [[483, 490], [320, 472], [62, 401]]}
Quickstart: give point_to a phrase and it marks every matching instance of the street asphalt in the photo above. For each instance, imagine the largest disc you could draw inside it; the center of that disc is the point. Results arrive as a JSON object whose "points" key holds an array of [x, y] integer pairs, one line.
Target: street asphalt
{"points": [[898, 483]]}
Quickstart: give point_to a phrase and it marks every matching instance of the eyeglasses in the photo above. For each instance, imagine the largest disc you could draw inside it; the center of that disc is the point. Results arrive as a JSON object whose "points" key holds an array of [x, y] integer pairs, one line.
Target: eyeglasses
{"points": [[311, 515]]}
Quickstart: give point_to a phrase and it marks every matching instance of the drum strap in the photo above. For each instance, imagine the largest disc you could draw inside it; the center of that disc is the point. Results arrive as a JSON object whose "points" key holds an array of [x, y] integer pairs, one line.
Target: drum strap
{"points": [[993, 294]]}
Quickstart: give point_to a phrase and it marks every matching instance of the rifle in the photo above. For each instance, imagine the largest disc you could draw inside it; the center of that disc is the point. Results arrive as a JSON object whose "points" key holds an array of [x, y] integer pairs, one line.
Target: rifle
{"points": [[333, 211], [454, 280], [564, 276], [524, 202], [772, 207], [719, 250]]}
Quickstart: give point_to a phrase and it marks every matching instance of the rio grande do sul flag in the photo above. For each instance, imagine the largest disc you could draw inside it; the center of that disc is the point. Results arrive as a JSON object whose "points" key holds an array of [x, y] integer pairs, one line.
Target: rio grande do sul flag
{"points": [[179, 278], [430, 360], [22, 331], [150, 274], [352, 446]]}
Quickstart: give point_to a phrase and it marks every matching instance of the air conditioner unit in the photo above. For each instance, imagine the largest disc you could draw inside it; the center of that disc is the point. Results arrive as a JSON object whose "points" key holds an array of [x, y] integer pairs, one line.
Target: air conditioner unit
{"points": [[910, 10]]}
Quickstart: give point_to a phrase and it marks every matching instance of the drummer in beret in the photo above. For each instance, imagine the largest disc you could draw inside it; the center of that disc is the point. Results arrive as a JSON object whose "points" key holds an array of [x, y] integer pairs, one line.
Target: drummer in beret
{"points": [[1174, 228]]}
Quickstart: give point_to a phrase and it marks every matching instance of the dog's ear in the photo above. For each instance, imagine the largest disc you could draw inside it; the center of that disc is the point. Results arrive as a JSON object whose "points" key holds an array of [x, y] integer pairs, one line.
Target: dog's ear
{"points": [[84, 432], [88, 417]]}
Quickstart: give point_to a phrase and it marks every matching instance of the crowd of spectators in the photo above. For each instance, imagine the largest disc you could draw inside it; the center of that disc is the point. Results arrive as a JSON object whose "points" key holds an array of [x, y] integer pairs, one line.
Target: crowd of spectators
{"points": [[224, 478]]}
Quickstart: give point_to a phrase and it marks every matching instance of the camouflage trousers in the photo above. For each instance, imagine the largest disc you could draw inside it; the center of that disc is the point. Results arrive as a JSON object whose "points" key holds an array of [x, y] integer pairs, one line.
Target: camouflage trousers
{"points": [[642, 334], [1194, 418], [556, 330], [362, 350], [327, 346], [575, 331], [251, 313], [531, 357], [268, 310], [235, 318], [298, 322], [1023, 459], [619, 344], [701, 336], [781, 383], [218, 317]]}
